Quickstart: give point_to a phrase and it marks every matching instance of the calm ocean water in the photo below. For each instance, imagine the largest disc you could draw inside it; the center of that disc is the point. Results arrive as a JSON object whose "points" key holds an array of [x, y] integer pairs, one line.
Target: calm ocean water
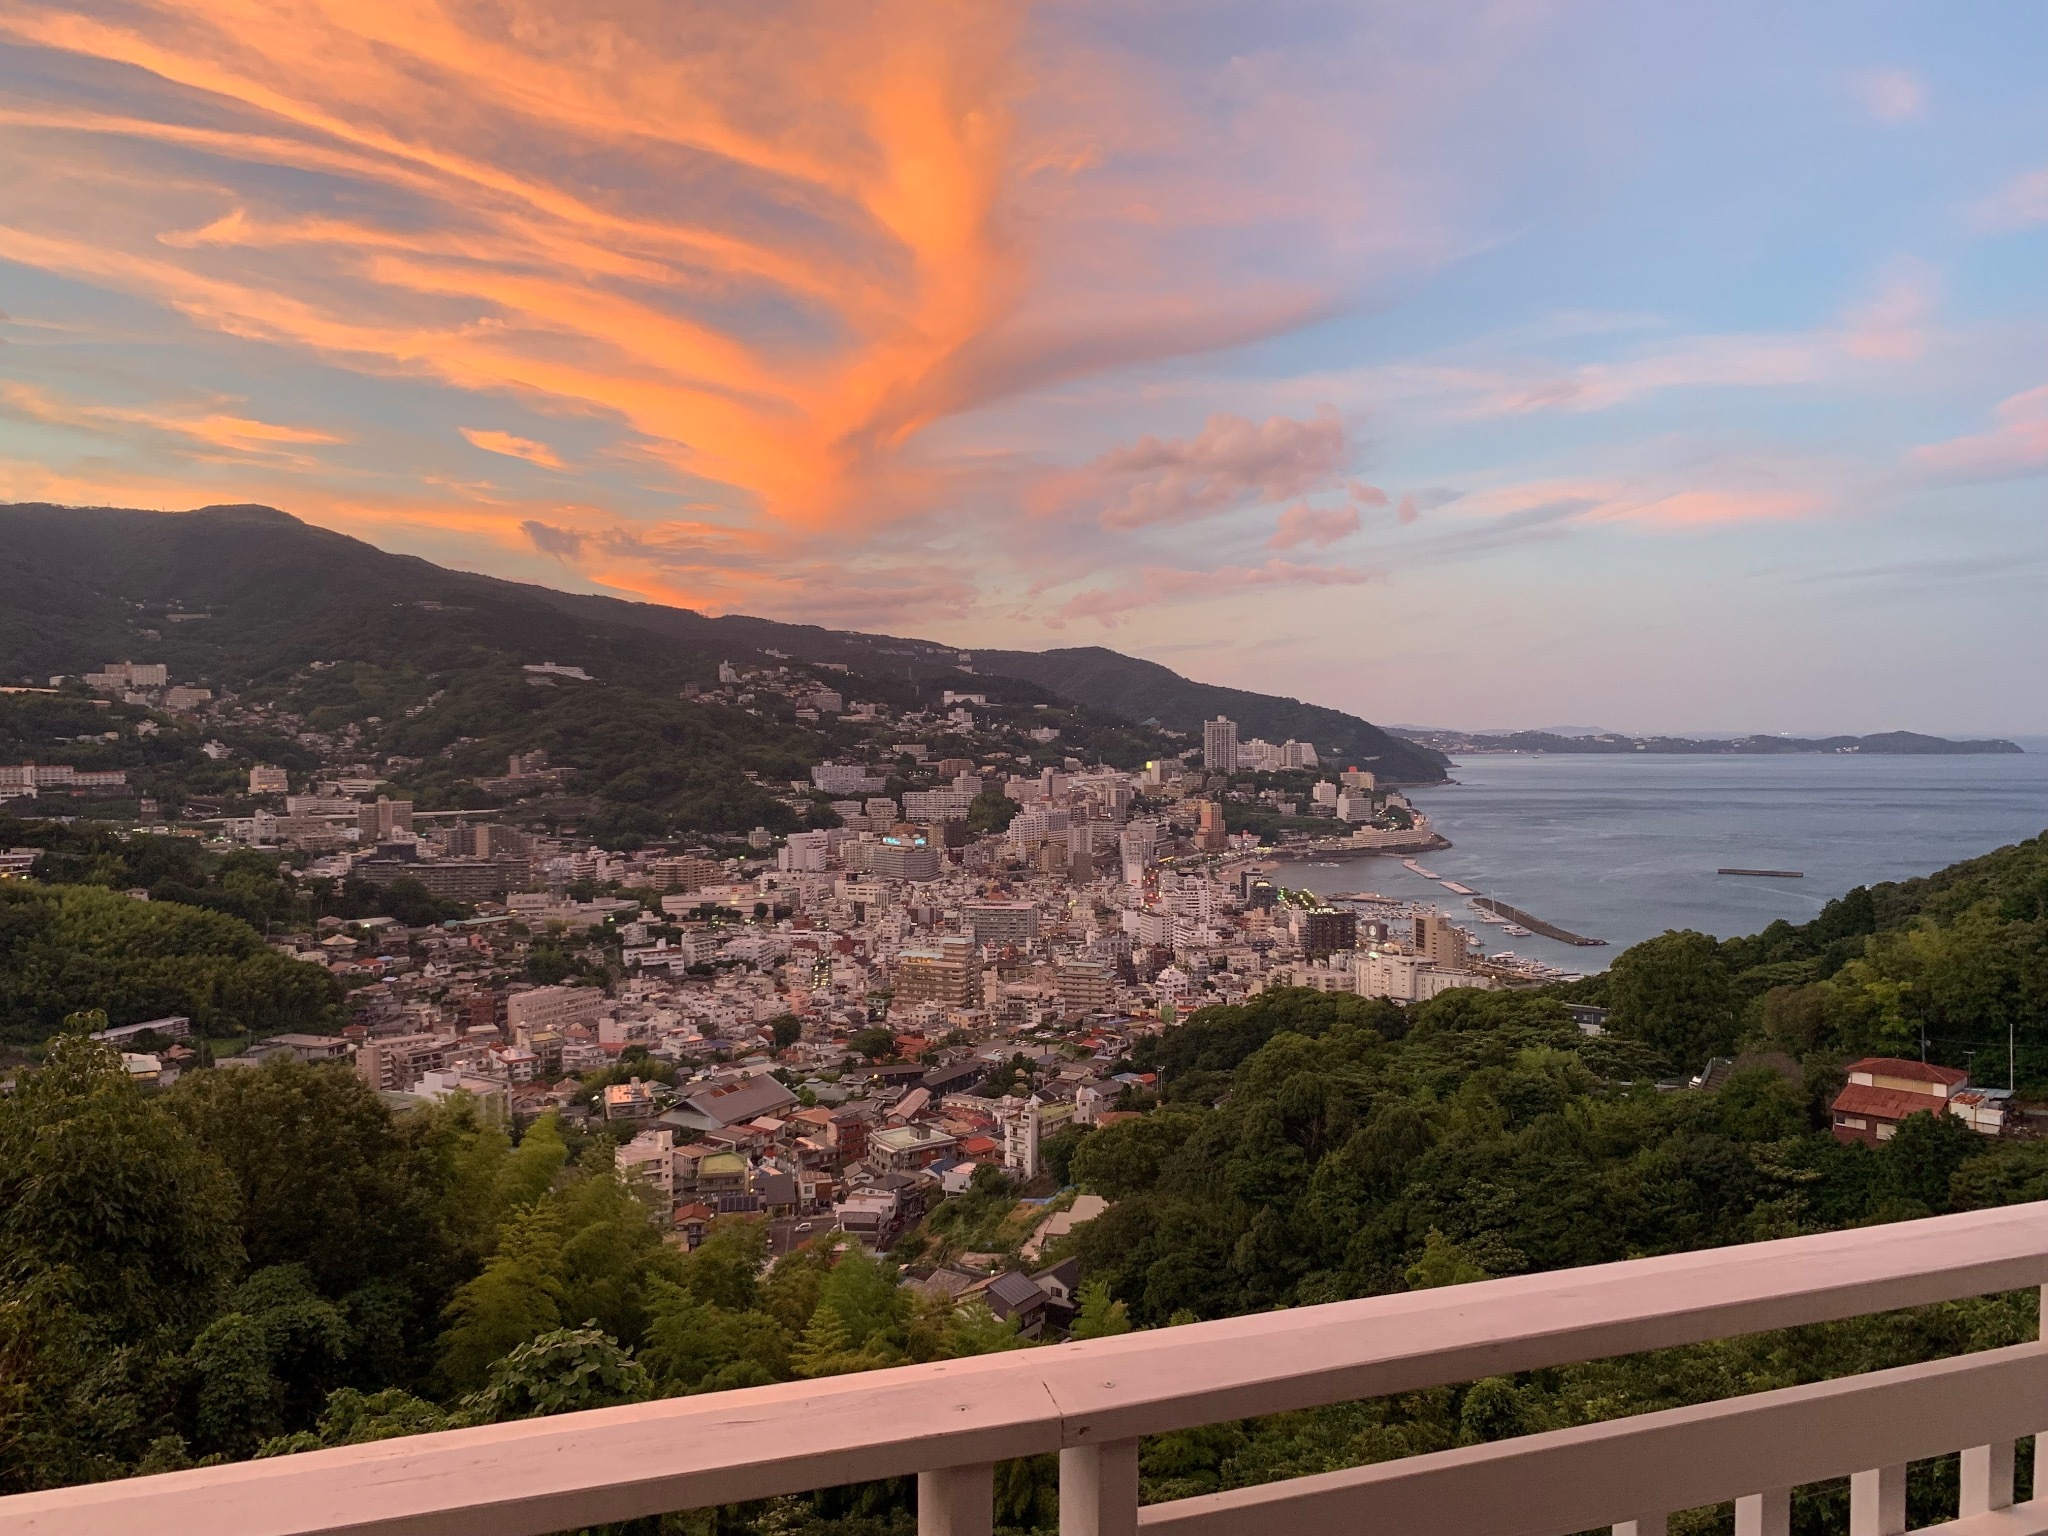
{"points": [[1622, 848]]}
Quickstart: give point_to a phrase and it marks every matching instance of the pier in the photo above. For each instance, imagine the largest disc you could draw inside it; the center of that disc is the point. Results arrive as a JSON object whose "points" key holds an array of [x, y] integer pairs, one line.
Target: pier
{"points": [[1535, 924]]}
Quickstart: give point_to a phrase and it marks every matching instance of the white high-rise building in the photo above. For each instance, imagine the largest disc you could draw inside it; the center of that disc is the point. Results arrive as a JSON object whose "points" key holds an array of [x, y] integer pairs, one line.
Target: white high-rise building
{"points": [[1137, 843], [1219, 745], [1019, 1119], [805, 852]]}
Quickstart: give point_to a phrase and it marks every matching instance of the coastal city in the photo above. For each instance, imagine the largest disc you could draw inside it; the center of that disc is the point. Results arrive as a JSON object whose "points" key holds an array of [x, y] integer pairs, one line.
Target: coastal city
{"points": [[833, 1027]]}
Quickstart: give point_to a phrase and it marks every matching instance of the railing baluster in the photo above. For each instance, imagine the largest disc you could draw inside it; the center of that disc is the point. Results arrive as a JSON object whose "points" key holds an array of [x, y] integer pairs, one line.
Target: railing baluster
{"points": [[1764, 1514], [1099, 1489], [957, 1501], [1877, 1502], [1643, 1525], [1987, 1478]]}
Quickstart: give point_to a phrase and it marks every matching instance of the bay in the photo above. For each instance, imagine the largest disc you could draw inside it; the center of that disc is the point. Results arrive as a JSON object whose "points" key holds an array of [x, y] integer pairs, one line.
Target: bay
{"points": [[1622, 848]]}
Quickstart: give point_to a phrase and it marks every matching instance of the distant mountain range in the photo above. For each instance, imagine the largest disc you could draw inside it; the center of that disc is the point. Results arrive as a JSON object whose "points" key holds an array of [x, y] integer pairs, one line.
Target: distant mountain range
{"points": [[1887, 743], [248, 596]]}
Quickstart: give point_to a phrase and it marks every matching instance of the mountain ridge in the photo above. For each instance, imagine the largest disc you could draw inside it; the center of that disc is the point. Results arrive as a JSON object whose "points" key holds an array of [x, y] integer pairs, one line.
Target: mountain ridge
{"points": [[300, 592]]}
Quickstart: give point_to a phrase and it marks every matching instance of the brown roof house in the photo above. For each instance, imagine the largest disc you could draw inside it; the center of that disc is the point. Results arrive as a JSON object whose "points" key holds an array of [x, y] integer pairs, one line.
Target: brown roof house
{"points": [[1883, 1090]]}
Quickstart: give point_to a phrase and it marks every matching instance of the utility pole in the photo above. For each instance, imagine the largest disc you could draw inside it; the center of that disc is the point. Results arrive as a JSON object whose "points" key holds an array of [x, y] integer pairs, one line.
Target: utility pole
{"points": [[2012, 1074]]}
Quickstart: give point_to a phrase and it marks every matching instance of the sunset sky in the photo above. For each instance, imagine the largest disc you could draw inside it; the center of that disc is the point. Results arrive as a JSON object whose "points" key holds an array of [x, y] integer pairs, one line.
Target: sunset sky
{"points": [[1669, 366]]}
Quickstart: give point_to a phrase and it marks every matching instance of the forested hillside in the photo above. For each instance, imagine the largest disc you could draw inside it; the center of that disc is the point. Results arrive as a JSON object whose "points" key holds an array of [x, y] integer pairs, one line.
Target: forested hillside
{"points": [[1957, 961], [389, 657]]}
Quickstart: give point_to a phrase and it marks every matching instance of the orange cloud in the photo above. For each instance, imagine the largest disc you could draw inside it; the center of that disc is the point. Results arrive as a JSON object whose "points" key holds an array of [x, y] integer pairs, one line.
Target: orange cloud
{"points": [[212, 429], [838, 167], [514, 447]]}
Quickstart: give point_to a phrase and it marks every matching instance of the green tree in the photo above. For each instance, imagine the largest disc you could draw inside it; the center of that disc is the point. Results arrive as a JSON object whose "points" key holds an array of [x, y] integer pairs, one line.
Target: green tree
{"points": [[829, 1348], [975, 1330], [515, 1300], [351, 1417], [1443, 1262], [1099, 1316], [990, 811], [693, 1346], [266, 1365], [1674, 993], [876, 1044], [565, 1371], [326, 1181], [117, 1244], [107, 1200]]}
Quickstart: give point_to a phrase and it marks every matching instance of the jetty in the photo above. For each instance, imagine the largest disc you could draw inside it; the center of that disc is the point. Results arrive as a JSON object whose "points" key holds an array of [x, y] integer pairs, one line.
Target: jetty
{"points": [[1766, 874], [1536, 924]]}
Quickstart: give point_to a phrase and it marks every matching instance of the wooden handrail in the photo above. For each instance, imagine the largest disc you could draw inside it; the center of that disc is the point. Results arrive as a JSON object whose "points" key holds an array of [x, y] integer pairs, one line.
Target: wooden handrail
{"points": [[543, 1475], [1682, 1458]]}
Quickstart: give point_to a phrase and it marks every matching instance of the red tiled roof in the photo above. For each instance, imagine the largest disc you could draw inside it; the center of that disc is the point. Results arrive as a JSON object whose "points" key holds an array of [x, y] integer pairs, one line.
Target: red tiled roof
{"points": [[1885, 1103], [1898, 1066]]}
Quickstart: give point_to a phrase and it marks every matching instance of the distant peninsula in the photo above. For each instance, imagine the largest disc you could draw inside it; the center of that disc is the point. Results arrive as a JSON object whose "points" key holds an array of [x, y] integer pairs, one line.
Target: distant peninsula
{"points": [[1885, 744]]}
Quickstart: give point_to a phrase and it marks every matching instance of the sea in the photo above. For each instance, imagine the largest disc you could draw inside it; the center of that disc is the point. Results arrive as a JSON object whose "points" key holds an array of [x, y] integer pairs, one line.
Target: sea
{"points": [[1623, 848]]}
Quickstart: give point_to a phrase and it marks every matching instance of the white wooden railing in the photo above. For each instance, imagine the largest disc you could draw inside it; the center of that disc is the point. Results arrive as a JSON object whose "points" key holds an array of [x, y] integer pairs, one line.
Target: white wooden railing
{"points": [[949, 1422]]}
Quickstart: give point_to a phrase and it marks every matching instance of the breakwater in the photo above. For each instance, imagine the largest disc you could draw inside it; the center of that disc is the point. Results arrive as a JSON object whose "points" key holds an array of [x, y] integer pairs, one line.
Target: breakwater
{"points": [[1535, 924]]}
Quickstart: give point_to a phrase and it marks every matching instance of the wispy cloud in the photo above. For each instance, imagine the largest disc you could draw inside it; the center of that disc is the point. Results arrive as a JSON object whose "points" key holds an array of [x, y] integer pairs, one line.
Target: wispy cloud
{"points": [[2016, 448], [1891, 324], [1320, 526], [1155, 585], [514, 447], [2021, 202], [216, 432], [1670, 501]]}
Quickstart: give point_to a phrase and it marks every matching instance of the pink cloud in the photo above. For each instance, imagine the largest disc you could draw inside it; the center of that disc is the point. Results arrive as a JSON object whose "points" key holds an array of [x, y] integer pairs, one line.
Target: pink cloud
{"points": [[1694, 509], [1365, 495], [1320, 526], [2021, 202], [2016, 447], [1891, 95], [1158, 584], [1409, 511], [1891, 325], [1232, 460], [1703, 362], [1651, 506]]}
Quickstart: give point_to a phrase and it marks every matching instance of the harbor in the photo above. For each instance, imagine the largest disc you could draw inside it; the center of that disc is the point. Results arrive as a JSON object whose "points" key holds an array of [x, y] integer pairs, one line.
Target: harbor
{"points": [[1393, 888]]}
